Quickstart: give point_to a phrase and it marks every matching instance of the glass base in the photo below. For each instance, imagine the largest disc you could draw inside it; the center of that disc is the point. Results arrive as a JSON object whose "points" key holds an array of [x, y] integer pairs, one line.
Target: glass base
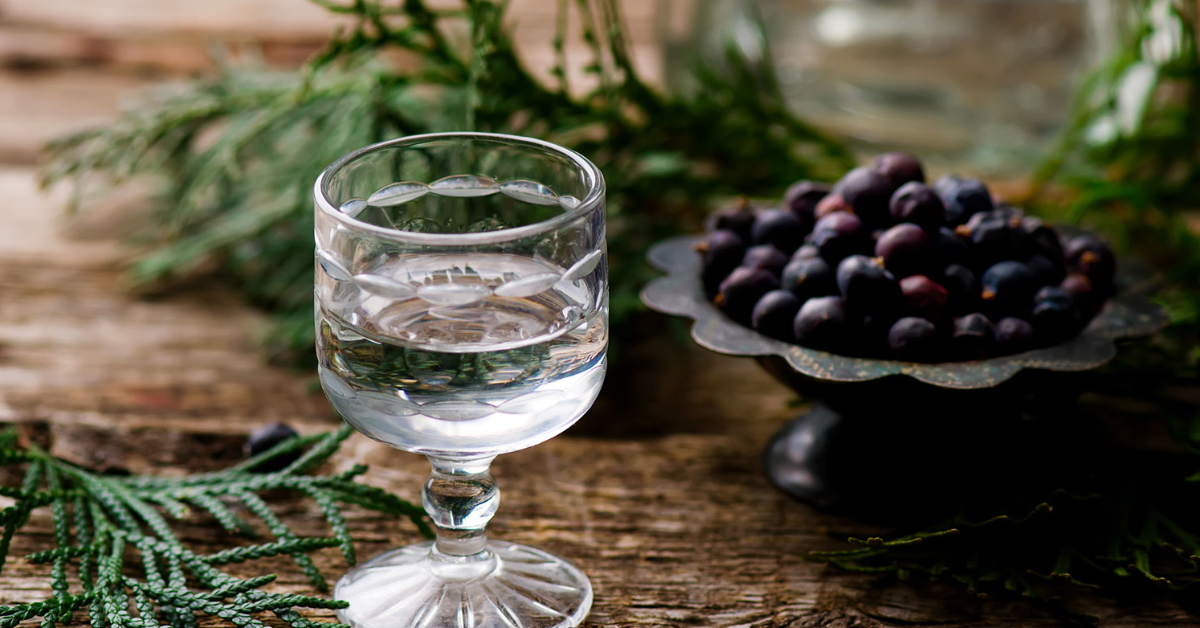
{"points": [[515, 587]]}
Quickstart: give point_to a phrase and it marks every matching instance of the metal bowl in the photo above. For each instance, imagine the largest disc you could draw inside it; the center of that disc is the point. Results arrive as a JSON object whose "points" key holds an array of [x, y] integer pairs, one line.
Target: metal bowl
{"points": [[885, 431]]}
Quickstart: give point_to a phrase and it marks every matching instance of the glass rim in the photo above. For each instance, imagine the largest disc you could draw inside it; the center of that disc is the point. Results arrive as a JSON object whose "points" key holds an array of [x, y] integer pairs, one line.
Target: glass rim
{"points": [[594, 196]]}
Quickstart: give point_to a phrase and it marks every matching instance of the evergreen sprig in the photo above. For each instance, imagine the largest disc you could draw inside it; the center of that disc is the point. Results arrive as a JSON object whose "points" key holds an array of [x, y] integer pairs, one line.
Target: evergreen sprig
{"points": [[238, 150], [107, 528], [1130, 539]]}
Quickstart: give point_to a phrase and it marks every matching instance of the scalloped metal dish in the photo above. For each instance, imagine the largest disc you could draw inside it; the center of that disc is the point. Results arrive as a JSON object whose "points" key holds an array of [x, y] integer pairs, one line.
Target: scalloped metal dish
{"points": [[1129, 314]]}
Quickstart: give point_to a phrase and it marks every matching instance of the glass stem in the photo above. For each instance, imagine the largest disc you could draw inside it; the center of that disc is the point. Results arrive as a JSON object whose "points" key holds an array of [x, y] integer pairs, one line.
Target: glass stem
{"points": [[461, 498]]}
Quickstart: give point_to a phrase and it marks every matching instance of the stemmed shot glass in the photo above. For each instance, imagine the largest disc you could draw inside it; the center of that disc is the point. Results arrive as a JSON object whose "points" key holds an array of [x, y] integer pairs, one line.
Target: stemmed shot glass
{"points": [[462, 313]]}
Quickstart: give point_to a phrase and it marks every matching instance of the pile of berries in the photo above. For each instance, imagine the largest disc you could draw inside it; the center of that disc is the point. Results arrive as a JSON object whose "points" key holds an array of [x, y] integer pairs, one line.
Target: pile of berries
{"points": [[881, 265]]}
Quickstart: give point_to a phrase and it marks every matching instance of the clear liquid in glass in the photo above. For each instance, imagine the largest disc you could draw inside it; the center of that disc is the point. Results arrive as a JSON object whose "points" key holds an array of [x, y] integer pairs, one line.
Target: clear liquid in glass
{"points": [[493, 353]]}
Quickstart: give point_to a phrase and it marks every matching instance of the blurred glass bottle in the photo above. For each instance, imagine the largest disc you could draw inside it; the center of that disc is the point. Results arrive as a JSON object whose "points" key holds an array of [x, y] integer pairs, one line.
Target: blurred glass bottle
{"points": [[975, 85]]}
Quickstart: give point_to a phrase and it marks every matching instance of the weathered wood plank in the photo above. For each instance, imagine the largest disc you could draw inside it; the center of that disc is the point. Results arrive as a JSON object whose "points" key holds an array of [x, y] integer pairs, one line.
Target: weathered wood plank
{"points": [[35, 107], [257, 18], [296, 18], [34, 47]]}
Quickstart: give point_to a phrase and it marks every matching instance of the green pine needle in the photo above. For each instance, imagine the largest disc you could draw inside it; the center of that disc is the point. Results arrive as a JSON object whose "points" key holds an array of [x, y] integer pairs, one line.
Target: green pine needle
{"points": [[98, 519]]}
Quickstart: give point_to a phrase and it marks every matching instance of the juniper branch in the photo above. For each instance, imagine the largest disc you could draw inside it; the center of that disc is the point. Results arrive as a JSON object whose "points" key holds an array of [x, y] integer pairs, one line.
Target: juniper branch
{"points": [[100, 522]]}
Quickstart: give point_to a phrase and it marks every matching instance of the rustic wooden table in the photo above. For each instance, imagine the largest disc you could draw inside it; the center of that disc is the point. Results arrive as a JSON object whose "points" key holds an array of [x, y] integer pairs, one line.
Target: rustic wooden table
{"points": [[657, 493]]}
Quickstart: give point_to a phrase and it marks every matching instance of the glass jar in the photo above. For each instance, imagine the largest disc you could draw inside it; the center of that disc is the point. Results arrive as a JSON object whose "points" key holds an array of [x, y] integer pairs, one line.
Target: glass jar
{"points": [[975, 85]]}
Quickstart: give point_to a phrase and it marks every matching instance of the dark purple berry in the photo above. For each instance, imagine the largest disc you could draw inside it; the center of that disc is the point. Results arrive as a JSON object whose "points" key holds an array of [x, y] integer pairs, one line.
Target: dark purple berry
{"points": [[907, 249], [1055, 317], [1086, 297], [867, 287], [738, 218], [868, 193], [832, 204], [743, 288], [870, 331], [801, 198], [916, 203], [1045, 272], [1089, 255], [994, 239], [924, 298], [1008, 288], [1054, 294], [808, 278], [774, 314], [914, 340], [1042, 239], [900, 168], [838, 235], [721, 252], [821, 324], [765, 256], [1013, 335], [953, 248], [1078, 286], [808, 251], [721, 247], [962, 197], [962, 288], [973, 337], [267, 437], [778, 227]]}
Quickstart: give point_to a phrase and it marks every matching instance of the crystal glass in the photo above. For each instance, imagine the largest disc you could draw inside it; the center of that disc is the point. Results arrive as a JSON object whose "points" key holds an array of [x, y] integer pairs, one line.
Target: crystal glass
{"points": [[462, 312]]}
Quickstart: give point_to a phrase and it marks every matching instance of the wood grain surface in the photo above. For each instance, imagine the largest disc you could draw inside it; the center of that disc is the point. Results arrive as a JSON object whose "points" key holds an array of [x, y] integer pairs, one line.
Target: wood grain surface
{"points": [[657, 493]]}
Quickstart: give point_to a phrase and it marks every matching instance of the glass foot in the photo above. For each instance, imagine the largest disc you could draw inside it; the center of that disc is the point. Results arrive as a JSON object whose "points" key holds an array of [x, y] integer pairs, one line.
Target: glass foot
{"points": [[519, 587]]}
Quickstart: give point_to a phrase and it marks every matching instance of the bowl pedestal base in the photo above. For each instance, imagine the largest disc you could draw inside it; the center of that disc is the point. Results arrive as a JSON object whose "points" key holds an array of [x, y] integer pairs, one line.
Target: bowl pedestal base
{"points": [[893, 449]]}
